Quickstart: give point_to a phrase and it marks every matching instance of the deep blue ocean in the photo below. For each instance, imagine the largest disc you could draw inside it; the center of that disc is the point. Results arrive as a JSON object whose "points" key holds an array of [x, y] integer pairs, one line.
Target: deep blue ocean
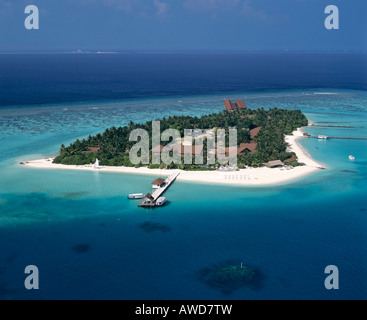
{"points": [[90, 242]]}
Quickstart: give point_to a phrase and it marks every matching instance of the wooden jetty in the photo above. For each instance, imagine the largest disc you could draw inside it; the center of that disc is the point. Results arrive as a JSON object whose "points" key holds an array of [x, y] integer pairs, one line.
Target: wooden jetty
{"points": [[329, 126], [150, 200], [335, 137]]}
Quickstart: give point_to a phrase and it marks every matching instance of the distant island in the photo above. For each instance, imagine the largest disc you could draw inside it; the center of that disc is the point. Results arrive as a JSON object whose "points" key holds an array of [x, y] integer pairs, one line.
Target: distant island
{"points": [[260, 138]]}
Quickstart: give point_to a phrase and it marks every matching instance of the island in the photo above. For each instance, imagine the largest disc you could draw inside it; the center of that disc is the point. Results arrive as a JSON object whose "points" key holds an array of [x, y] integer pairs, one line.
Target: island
{"points": [[266, 152]]}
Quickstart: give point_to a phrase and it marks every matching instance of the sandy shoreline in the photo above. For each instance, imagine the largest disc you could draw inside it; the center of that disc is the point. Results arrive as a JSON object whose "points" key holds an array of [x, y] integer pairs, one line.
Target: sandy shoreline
{"points": [[247, 177]]}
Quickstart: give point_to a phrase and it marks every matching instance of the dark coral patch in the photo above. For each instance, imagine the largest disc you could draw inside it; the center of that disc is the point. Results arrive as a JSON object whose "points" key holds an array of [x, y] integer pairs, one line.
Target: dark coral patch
{"points": [[230, 276], [74, 195], [81, 248], [349, 171], [153, 226]]}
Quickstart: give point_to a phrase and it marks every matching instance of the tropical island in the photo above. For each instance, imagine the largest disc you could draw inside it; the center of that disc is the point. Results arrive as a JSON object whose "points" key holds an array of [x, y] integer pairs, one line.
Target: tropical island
{"points": [[260, 138], [266, 150]]}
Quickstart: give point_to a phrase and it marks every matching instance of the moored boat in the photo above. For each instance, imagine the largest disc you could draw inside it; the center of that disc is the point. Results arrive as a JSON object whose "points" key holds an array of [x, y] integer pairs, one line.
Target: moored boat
{"points": [[160, 201], [136, 196]]}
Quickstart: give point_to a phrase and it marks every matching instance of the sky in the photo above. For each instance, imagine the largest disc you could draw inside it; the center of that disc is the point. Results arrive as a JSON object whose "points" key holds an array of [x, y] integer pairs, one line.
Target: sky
{"points": [[183, 25]]}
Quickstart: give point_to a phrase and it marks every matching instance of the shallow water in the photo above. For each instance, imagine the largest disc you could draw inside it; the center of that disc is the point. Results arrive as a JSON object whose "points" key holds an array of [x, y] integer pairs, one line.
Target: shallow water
{"points": [[90, 242]]}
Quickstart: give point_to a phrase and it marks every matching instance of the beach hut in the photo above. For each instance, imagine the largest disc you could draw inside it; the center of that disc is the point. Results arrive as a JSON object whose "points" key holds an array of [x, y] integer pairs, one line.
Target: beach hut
{"points": [[274, 164], [157, 183], [291, 159], [148, 200]]}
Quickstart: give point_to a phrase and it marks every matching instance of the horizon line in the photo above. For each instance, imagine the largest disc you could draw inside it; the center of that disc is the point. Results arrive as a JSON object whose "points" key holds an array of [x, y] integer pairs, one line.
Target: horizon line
{"points": [[189, 51]]}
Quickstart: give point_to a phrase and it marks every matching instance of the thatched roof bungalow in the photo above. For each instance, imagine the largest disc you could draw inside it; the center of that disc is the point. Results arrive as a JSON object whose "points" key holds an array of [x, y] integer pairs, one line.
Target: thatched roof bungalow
{"points": [[274, 164]]}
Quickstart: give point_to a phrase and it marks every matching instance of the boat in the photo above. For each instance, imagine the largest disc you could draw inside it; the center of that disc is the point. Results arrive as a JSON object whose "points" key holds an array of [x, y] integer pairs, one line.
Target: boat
{"points": [[322, 137], [160, 201], [155, 199], [136, 196], [96, 164], [352, 157]]}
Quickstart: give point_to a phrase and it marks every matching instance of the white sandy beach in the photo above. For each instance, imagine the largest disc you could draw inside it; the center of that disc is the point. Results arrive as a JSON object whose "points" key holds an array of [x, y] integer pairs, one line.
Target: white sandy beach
{"points": [[246, 177]]}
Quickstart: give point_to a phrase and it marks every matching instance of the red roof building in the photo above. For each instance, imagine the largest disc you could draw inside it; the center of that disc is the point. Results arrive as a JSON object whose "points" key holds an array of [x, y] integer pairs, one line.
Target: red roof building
{"points": [[193, 149], [157, 149], [158, 182], [254, 132], [240, 104], [247, 146], [92, 150], [291, 159], [229, 105], [251, 147]]}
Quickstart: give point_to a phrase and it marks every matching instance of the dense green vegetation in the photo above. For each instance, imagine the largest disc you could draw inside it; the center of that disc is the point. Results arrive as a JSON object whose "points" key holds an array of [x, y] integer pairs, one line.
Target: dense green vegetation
{"points": [[114, 143]]}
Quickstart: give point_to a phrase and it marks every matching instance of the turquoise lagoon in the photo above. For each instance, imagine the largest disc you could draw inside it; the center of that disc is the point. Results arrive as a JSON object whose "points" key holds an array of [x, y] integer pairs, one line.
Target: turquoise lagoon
{"points": [[90, 242]]}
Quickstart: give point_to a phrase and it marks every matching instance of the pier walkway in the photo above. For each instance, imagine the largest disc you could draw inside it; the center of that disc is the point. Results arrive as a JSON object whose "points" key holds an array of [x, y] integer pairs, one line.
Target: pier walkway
{"points": [[156, 194], [348, 138]]}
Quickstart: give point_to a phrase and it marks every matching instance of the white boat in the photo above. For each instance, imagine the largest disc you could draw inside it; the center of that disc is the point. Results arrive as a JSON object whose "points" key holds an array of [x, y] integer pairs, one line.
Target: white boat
{"points": [[96, 164], [323, 137], [352, 157], [160, 201], [136, 196]]}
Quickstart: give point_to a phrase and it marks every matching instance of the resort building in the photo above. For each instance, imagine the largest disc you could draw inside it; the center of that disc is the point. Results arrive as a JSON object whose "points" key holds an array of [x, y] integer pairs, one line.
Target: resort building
{"points": [[254, 132], [158, 183], [157, 149], [274, 164], [148, 199], [243, 147], [92, 150], [240, 150], [291, 159], [182, 149], [191, 149], [240, 104], [229, 105]]}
